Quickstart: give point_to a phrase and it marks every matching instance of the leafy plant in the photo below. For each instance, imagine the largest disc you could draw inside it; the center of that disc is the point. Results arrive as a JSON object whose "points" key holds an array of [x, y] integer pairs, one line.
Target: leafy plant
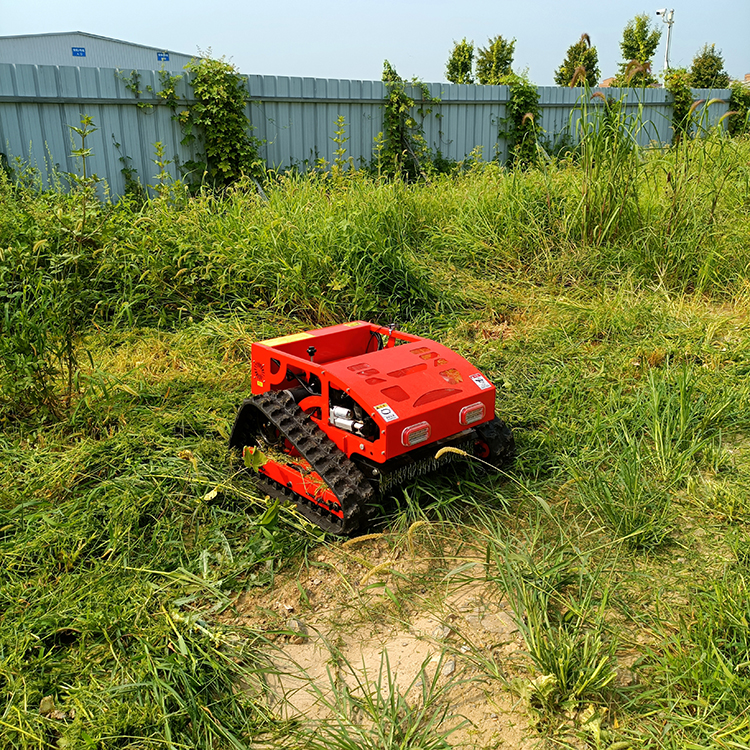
{"points": [[494, 61], [166, 187], [461, 62], [581, 65], [219, 117], [72, 267], [340, 162]]}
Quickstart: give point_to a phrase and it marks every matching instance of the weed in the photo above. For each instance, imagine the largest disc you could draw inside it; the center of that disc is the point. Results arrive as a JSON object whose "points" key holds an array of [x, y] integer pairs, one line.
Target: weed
{"points": [[703, 670], [571, 661], [375, 713], [633, 505]]}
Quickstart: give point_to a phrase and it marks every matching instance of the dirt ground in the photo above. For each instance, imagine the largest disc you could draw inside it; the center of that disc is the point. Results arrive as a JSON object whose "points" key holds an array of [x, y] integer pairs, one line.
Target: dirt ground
{"points": [[389, 610]]}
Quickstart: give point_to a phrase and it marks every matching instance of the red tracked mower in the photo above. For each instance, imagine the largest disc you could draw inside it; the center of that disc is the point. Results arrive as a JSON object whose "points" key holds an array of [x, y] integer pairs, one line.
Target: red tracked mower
{"points": [[345, 413]]}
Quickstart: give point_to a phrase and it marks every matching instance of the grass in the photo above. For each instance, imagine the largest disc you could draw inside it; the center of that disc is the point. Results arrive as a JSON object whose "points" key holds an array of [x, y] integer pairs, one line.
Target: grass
{"points": [[372, 712], [618, 340], [636, 507], [559, 613]]}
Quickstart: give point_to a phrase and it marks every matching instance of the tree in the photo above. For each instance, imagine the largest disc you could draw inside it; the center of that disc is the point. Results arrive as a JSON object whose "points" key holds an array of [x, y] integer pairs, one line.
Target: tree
{"points": [[581, 65], [461, 62], [639, 42], [707, 70], [493, 62]]}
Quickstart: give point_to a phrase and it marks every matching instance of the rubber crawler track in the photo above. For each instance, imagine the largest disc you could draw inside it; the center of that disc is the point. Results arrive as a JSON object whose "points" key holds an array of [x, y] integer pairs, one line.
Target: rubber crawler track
{"points": [[343, 478]]}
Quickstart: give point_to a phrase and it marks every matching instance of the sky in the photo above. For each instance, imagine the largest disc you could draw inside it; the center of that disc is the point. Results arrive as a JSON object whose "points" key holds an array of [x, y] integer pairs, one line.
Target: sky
{"points": [[350, 39]]}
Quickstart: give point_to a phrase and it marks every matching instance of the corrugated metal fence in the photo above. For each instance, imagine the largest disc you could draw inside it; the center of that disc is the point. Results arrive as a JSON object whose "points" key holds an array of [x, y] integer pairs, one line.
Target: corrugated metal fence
{"points": [[294, 117]]}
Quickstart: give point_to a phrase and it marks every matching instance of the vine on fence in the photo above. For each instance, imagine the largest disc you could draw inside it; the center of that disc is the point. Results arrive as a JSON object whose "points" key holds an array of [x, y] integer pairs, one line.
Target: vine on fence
{"points": [[132, 83], [133, 187], [520, 127], [677, 82], [403, 150], [167, 91], [219, 117]]}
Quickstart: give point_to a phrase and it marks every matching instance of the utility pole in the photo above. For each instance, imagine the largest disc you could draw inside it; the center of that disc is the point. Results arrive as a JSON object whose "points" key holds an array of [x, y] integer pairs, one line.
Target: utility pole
{"points": [[668, 17]]}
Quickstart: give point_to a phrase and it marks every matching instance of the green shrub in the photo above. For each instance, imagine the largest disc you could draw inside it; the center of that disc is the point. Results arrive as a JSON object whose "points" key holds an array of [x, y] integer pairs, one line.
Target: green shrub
{"points": [[219, 116], [739, 103]]}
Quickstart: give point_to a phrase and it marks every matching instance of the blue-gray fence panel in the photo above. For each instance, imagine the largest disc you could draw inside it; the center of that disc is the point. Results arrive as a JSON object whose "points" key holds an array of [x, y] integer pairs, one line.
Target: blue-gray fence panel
{"points": [[648, 112], [295, 118], [464, 119], [40, 104]]}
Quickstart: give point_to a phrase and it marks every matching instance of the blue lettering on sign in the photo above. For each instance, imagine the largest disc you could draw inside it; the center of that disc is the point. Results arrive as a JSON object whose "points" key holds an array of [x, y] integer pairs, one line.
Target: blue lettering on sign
{"points": [[162, 56], [79, 52]]}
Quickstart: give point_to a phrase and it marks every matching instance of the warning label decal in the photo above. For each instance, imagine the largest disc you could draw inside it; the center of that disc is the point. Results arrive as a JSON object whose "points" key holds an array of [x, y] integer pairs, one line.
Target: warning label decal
{"points": [[386, 412], [481, 381]]}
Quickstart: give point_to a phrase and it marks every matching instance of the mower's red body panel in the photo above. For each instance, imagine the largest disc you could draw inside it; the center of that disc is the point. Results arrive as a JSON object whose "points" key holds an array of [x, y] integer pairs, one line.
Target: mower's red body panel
{"points": [[415, 390]]}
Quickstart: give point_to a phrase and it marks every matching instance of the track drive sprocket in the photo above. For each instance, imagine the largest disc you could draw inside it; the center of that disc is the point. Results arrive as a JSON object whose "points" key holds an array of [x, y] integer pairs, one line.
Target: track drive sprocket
{"points": [[496, 444]]}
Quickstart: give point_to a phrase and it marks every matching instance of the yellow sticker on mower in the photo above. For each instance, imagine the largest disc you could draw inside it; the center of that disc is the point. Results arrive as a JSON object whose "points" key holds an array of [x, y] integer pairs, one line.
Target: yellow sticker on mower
{"points": [[287, 339]]}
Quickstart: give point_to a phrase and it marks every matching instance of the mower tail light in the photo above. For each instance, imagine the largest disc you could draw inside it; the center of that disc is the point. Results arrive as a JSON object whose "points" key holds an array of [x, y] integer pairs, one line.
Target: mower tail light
{"points": [[472, 413], [417, 433]]}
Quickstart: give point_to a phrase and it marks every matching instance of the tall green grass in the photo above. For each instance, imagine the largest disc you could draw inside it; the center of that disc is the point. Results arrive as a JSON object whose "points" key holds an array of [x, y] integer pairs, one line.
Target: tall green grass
{"points": [[325, 251], [123, 541], [702, 668], [559, 610], [606, 294], [316, 248]]}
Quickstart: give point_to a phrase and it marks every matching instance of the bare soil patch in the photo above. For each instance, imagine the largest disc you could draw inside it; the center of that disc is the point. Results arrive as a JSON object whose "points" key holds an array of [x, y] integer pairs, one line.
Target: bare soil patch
{"points": [[374, 611]]}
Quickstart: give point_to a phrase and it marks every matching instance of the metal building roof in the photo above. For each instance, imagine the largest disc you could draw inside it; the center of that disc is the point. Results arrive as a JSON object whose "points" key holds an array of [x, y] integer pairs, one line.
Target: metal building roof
{"points": [[82, 49]]}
